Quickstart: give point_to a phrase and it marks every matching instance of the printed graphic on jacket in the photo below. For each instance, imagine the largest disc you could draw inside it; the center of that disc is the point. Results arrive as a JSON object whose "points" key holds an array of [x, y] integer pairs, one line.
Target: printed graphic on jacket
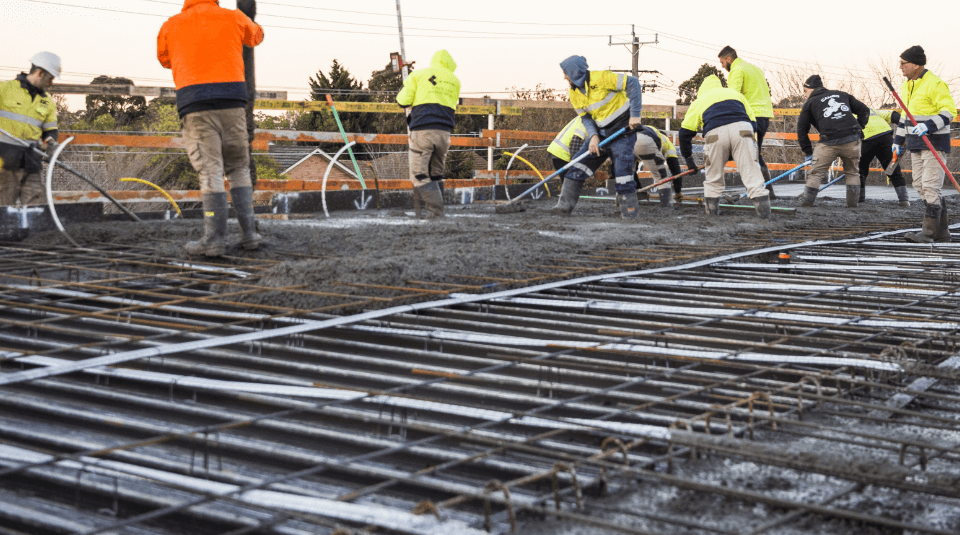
{"points": [[835, 110]]}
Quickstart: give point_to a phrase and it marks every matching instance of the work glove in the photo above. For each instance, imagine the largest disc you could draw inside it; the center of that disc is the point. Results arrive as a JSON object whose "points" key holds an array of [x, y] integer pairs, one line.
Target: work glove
{"points": [[51, 148], [691, 164], [919, 130], [808, 160], [895, 148]]}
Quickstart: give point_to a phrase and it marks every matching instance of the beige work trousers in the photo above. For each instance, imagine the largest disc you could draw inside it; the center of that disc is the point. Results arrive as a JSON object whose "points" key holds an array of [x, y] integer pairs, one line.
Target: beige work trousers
{"points": [[17, 184], [823, 157], [645, 150], [428, 155], [216, 142], [927, 174], [733, 140]]}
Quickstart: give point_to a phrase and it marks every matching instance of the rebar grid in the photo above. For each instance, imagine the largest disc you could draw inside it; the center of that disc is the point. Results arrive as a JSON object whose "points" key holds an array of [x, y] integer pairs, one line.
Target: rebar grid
{"points": [[519, 376]]}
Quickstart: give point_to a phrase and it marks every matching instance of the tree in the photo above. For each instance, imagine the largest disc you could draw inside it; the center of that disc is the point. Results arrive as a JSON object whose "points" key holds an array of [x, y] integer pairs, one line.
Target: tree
{"points": [[688, 89], [341, 85], [124, 110]]}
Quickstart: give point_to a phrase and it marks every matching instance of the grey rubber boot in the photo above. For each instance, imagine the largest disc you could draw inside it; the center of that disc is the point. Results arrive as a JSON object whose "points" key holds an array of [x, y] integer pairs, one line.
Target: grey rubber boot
{"points": [[569, 196], [665, 196], [612, 189], [762, 205], [243, 204], [931, 220], [417, 203], [629, 206], [942, 235], [902, 196], [808, 196], [712, 205], [766, 178], [853, 196], [433, 199], [215, 212]]}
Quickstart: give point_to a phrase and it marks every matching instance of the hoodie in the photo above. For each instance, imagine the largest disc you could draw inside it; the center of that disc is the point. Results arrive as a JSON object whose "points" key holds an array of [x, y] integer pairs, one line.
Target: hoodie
{"points": [[203, 45], [715, 106], [434, 94], [588, 88]]}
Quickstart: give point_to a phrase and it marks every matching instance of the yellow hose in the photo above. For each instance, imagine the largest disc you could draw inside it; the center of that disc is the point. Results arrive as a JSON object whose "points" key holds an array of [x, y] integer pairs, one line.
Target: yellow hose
{"points": [[158, 188], [535, 170]]}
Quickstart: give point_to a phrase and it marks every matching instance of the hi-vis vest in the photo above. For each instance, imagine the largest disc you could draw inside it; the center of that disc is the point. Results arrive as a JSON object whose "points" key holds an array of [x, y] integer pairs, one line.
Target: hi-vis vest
{"points": [[605, 99], [879, 123], [560, 147], [22, 116]]}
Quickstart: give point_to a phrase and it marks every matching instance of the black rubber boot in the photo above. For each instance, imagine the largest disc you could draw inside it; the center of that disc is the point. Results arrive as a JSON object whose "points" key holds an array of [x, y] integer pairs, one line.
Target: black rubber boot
{"points": [[942, 235], [417, 203], [902, 197], [808, 196], [665, 199], [569, 197], [712, 205], [931, 220], [215, 212], [243, 204], [863, 189], [762, 205], [853, 196], [629, 206], [433, 199]]}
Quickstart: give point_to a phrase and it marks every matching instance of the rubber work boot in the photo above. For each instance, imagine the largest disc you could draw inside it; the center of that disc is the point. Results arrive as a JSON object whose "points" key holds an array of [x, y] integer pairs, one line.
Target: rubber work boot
{"points": [[942, 235], [853, 195], [417, 206], [243, 204], [808, 196], [712, 205], [902, 196], [213, 243], [931, 220], [569, 196], [863, 191], [433, 199], [762, 204], [664, 197], [766, 178], [629, 206], [612, 190]]}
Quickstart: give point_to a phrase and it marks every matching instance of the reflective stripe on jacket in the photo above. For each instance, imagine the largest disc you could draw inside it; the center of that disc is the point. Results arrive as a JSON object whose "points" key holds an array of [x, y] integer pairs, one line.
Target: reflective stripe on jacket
{"points": [[433, 92], [749, 81], [560, 147], [928, 99], [203, 45], [24, 116], [878, 124], [605, 99]]}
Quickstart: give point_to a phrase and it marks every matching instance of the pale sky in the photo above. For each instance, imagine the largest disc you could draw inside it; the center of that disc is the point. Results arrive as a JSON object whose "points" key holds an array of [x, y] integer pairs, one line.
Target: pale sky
{"points": [[500, 44]]}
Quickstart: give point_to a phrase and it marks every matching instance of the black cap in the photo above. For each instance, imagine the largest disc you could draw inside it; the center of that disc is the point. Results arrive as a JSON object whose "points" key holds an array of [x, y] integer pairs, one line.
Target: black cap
{"points": [[813, 82], [915, 55]]}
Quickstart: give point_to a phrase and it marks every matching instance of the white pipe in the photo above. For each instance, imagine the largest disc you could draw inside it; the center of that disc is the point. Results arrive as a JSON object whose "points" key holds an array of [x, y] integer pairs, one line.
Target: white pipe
{"points": [[506, 173], [53, 209], [323, 187]]}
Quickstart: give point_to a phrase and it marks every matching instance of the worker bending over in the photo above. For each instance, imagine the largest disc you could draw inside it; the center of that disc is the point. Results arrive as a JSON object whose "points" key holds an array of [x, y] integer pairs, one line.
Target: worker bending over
{"points": [[658, 153], [928, 99], [28, 113], [606, 102], [729, 127], [433, 93], [877, 140], [204, 47], [567, 143]]}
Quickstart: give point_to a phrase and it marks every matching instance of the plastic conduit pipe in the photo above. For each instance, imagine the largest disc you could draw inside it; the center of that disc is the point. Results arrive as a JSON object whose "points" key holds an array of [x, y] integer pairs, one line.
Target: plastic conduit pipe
{"points": [[323, 187], [53, 208], [535, 170]]}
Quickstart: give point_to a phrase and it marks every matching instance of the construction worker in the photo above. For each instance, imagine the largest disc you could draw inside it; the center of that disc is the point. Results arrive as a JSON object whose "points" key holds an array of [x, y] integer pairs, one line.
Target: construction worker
{"points": [[877, 139], [567, 143], [658, 153], [928, 99], [431, 96], [749, 80], [203, 45], [607, 102], [729, 129], [28, 113], [840, 119]]}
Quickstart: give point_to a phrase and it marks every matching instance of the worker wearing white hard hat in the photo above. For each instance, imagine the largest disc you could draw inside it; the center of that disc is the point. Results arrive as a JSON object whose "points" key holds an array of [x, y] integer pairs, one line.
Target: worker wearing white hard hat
{"points": [[28, 113]]}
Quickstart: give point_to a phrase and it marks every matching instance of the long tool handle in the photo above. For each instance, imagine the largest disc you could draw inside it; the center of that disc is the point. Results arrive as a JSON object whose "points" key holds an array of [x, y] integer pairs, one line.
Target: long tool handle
{"points": [[665, 180], [772, 180], [893, 163], [568, 166], [343, 133], [65, 167], [923, 137], [832, 182]]}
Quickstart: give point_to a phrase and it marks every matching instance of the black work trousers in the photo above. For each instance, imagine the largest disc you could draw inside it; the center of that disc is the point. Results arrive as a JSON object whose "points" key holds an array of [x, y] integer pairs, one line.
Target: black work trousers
{"points": [[879, 147]]}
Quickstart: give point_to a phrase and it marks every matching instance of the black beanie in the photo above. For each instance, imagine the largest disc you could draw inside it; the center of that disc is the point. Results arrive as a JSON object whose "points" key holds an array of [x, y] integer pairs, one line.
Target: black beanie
{"points": [[813, 82], [915, 55]]}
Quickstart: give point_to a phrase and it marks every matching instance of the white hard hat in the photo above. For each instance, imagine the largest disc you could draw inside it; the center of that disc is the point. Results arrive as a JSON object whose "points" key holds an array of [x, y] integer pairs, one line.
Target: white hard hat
{"points": [[47, 61]]}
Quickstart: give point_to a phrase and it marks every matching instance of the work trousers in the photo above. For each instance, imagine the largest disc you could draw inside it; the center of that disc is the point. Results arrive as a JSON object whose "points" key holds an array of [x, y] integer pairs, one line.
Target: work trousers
{"points": [[734, 141], [619, 150], [927, 174], [217, 146], [646, 150], [823, 157], [879, 147], [428, 155], [763, 124], [18, 184]]}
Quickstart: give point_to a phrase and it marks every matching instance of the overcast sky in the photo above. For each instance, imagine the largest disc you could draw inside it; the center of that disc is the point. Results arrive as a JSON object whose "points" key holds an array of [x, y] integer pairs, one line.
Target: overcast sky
{"points": [[500, 44]]}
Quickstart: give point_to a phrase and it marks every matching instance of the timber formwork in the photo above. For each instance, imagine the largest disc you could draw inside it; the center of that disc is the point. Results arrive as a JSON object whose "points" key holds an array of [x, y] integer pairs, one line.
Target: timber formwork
{"points": [[145, 396]]}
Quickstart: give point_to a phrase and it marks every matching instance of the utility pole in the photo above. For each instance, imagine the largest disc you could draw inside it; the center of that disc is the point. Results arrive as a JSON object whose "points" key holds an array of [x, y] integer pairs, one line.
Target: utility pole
{"points": [[249, 8], [403, 52], [635, 48]]}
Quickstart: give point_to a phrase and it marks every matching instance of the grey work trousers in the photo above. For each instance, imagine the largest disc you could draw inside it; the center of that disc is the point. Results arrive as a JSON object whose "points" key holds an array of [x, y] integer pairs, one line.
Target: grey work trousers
{"points": [[734, 141], [217, 146], [428, 155], [17, 184], [823, 157]]}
